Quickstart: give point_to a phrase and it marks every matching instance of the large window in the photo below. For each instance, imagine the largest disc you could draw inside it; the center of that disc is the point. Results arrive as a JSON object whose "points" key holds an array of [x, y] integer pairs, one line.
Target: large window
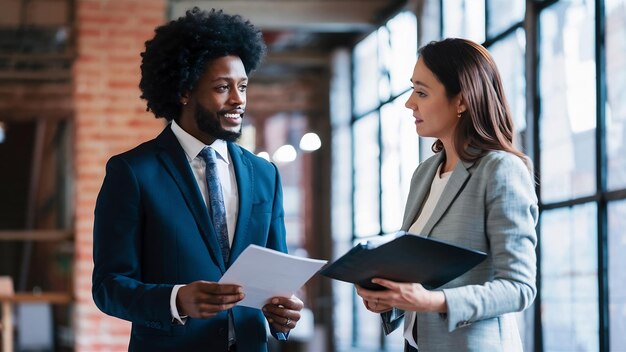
{"points": [[581, 89], [385, 151], [563, 64]]}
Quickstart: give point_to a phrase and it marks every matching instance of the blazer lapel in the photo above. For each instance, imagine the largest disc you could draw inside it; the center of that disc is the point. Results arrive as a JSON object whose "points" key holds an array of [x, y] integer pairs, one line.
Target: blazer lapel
{"points": [[453, 187], [175, 162], [244, 174], [420, 188]]}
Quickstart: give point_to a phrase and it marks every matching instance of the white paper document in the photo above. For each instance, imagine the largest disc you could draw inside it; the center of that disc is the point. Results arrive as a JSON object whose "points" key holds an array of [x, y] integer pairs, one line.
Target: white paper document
{"points": [[265, 273]]}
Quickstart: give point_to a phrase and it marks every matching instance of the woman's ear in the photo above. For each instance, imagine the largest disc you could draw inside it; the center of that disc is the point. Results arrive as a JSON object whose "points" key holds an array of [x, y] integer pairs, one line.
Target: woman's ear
{"points": [[461, 107]]}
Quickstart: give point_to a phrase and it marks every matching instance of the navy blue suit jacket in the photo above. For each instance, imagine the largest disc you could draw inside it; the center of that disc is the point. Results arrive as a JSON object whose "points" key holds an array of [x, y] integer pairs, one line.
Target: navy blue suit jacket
{"points": [[152, 231]]}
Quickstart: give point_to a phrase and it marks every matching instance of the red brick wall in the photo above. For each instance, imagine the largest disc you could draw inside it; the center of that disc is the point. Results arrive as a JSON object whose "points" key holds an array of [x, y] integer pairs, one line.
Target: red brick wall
{"points": [[110, 118]]}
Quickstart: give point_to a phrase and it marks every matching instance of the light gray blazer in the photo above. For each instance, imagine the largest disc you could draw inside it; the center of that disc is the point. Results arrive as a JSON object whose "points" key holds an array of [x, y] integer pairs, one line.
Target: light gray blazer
{"points": [[487, 205]]}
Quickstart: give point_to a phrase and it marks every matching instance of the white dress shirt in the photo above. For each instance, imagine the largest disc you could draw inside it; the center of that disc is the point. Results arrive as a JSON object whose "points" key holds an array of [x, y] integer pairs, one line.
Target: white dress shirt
{"points": [[436, 189], [226, 172]]}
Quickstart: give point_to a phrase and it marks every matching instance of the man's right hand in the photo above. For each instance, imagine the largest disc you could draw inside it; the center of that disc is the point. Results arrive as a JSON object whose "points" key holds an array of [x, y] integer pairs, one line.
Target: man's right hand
{"points": [[204, 299]]}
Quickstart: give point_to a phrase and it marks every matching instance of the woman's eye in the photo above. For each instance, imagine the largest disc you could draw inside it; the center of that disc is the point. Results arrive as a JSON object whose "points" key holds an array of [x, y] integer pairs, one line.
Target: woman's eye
{"points": [[243, 88]]}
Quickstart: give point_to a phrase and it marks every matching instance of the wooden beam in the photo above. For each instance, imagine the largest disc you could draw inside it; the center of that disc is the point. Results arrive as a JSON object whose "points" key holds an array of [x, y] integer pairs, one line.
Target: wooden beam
{"points": [[42, 297], [36, 235], [57, 74], [298, 59], [314, 16]]}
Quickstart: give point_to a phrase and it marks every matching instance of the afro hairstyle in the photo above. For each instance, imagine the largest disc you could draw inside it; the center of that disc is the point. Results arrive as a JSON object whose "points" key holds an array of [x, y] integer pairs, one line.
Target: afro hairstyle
{"points": [[178, 54]]}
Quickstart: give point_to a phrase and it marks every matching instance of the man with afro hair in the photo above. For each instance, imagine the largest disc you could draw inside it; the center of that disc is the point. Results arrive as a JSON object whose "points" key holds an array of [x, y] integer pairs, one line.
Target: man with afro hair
{"points": [[175, 212]]}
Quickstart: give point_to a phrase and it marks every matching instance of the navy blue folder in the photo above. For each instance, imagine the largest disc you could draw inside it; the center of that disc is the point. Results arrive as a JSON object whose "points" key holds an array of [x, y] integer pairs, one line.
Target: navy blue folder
{"points": [[407, 258]]}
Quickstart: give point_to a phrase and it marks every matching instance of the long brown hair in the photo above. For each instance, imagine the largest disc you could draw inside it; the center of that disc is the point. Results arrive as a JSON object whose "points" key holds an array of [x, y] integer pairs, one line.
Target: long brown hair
{"points": [[465, 67]]}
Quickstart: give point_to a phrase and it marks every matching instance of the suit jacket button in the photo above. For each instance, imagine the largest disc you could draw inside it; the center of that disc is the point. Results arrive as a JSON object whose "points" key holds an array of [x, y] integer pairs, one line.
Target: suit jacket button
{"points": [[221, 332]]}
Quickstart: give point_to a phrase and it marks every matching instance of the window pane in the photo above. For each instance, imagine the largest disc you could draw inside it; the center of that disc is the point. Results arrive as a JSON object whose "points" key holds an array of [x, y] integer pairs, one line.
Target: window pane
{"points": [[509, 56], [403, 39], [569, 278], [366, 178], [394, 342], [366, 75], [343, 302], [465, 19], [385, 58], [617, 275], [400, 157], [341, 195], [615, 11], [368, 328], [568, 103], [504, 14]]}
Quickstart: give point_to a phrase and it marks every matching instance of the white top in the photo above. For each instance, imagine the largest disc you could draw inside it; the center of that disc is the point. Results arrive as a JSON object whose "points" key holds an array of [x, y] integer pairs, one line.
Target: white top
{"points": [[436, 189], [226, 172]]}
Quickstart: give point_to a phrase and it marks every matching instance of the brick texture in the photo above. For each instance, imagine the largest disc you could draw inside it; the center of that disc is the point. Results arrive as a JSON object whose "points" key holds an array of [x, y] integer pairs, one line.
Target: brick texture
{"points": [[109, 119]]}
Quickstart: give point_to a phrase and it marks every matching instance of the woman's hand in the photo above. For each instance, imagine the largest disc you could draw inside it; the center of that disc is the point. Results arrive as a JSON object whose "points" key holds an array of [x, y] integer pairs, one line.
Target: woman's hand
{"points": [[373, 305], [405, 296]]}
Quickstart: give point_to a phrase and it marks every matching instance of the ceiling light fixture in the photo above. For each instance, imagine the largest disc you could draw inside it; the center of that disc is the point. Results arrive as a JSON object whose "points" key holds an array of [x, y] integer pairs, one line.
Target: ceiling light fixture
{"points": [[285, 154], [310, 142]]}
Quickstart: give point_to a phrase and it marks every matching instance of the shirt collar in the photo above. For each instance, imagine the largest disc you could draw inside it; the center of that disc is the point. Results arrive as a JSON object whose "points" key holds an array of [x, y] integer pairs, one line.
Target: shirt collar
{"points": [[192, 146]]}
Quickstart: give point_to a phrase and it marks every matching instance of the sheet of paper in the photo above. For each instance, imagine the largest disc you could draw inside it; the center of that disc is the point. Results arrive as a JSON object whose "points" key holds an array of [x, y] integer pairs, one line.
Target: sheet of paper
{"points": [[265, 273]]}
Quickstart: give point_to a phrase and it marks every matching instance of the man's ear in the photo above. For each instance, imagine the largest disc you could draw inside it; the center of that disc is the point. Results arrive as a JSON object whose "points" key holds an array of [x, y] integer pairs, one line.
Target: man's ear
{"points": [[184, 98]]}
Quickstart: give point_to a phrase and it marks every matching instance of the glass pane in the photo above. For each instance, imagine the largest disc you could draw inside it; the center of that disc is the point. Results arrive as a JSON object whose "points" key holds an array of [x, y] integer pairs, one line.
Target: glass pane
{"points": [[343, 301], [569, 278], [403, 40], [385, 59], [568, 101], [426, 150], [340, 95], [400, 148], [617, 275], [615, 32], [504, 14], [366, 176], [464, 19], [509, 56], [341, 195], [394, 342], [368, 327], [366, 75]]}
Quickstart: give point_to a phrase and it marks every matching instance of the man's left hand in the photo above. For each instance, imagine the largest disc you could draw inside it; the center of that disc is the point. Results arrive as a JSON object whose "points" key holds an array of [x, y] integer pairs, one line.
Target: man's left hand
{"points": [[283, 313]]}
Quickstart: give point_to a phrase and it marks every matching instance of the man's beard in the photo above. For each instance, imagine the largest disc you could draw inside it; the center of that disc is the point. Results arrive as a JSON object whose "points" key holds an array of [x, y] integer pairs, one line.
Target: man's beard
{"points": [[209, 123]]}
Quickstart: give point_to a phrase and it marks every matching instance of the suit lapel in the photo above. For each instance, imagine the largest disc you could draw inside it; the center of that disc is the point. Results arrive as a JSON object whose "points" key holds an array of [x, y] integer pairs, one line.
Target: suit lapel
{"points": [[175, 162], [453, 187], [245, 187]]}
